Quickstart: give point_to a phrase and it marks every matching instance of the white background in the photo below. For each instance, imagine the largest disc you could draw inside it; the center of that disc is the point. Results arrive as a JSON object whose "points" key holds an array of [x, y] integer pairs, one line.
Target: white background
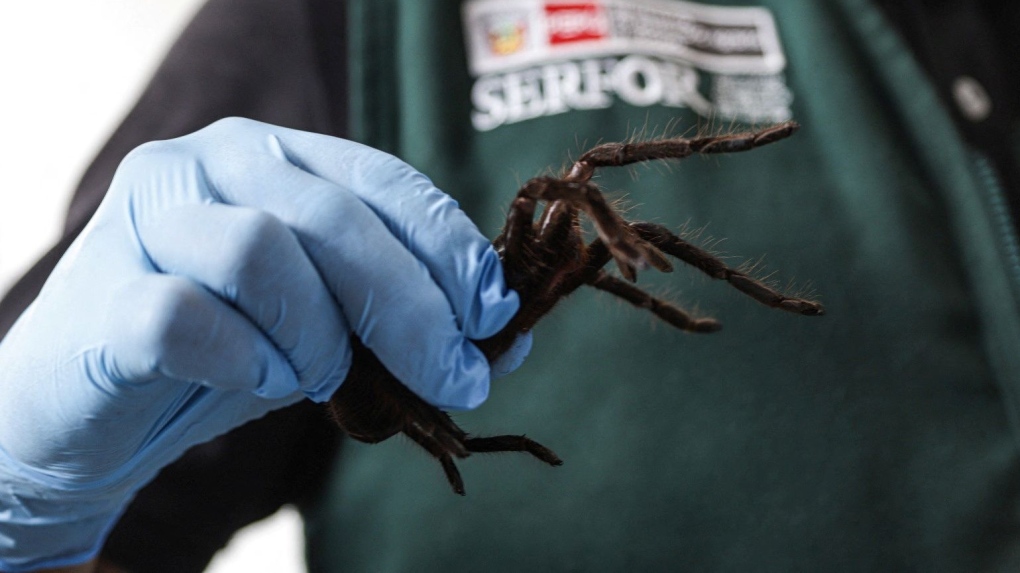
{"points": [[69, 70]]}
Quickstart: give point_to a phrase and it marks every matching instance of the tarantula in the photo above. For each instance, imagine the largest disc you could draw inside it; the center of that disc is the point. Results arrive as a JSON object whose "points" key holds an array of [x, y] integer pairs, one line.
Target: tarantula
{"points": [[545, 261]]}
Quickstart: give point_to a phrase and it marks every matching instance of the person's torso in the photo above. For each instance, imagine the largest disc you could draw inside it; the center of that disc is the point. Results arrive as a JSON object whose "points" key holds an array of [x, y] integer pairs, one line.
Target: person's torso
{"points": [[878, 437]]}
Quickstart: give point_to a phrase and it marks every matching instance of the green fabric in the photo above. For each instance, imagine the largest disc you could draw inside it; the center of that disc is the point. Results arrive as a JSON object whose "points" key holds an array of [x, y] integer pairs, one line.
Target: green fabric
{"points": [[881, 437]]}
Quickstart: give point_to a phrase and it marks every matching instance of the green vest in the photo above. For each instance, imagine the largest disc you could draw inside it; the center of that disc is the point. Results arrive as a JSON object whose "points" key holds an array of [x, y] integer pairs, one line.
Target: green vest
{"points": [[881, 437]]}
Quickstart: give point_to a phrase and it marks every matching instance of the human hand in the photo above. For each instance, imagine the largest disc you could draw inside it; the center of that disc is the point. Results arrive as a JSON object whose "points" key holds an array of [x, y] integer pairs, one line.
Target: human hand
{"points": [[220, 279]]}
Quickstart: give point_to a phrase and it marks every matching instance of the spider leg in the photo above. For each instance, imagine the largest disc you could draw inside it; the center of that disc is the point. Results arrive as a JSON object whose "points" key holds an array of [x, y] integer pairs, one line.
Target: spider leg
{"points": [[517, 236], [660, 308], [630, 252], [534, 257], [619, 154], [596, 256], [436, 425], [704, 261], [432, 446], [558, 232], [532, 253], [559, 250], [513, 444], [557, 246]]}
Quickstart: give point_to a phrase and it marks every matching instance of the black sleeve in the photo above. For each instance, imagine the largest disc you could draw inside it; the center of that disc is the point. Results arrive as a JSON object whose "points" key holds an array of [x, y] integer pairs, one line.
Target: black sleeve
{"points": [[195, 505], [977, 39], [277, 61]]}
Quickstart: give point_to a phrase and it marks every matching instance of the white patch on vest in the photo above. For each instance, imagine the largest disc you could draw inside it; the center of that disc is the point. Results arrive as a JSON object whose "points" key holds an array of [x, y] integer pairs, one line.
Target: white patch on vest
{"points": [[535, 58]]}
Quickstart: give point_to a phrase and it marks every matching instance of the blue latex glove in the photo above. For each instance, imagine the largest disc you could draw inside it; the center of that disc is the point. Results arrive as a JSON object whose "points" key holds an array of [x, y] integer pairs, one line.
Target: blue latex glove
{"points": [[221, 279]]}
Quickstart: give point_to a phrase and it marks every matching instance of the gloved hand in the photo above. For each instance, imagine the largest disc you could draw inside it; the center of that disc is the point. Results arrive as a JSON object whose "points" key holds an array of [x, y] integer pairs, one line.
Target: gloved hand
{"points": [[220, 279]]}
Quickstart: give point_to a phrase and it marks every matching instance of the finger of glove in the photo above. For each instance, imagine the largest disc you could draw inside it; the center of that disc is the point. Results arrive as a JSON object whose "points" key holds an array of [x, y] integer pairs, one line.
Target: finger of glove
{"points": [[171, 327], [513, 358], [425, 220], [387, 294], [431, 225], [252, 260]]}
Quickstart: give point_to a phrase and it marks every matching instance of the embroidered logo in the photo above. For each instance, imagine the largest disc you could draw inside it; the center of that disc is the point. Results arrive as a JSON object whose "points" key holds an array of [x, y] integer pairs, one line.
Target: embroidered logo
{"points": [[569, 23], [505, 33], [533, 58]]}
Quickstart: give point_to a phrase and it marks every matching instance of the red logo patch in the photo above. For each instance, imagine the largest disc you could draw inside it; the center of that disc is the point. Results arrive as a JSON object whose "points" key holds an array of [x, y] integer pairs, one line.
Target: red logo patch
{"points": [[576, 22]]}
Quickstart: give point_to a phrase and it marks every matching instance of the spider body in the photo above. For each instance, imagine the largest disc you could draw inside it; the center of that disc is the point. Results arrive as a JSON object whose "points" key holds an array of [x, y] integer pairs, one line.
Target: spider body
{"points": [[545, 261]]}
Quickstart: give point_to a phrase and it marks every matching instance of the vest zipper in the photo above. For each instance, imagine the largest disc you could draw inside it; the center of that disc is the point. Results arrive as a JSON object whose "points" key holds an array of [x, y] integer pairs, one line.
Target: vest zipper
{"points": [[1002, 218]]}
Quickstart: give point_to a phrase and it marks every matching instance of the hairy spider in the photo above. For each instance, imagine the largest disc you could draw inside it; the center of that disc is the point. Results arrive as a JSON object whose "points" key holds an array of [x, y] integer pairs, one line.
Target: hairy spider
{"points": [[545, 261]]}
